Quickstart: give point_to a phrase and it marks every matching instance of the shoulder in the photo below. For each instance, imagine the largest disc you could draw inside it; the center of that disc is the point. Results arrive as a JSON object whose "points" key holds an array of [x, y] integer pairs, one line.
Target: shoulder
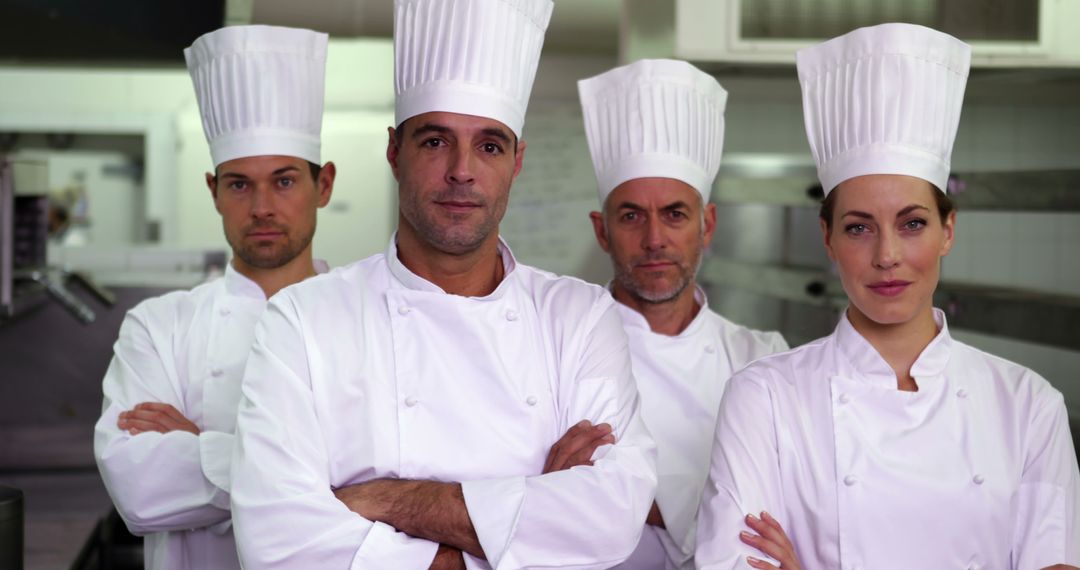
{"points": [[787, 366], [749, 343], [340, 282], [564, 297], [1012, 380], [172, 309]]}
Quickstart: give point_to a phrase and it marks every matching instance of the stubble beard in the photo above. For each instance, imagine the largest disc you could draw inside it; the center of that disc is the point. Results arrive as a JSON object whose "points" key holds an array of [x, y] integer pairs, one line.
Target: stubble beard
{"points": [[642, 292], [456, 236], [254, 255]]}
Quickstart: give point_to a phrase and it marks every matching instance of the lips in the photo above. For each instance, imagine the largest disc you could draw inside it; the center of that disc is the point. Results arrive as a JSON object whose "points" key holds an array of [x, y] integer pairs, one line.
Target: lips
{"points": [[458, 207], [889, 288]]}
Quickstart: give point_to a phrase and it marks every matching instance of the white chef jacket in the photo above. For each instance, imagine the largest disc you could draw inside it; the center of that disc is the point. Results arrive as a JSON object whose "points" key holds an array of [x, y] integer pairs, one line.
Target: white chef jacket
{"points": [[680, 379], [372, 372], [187, 349], [974, 470]]}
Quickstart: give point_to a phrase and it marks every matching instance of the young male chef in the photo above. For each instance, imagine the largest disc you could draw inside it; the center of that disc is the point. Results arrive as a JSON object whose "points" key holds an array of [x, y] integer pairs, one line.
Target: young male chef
{"points": [[165, 437], [655, 131], [399, 412]]}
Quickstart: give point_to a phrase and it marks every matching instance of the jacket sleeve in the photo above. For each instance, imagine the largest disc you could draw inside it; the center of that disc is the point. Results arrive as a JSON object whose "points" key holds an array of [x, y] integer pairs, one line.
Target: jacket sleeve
{"points": [[1047, 530], [155, 480], [587, 516], [744, 476], [285, 514]]}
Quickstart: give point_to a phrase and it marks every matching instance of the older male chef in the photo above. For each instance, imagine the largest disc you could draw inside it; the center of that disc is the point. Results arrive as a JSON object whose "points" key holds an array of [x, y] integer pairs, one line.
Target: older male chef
{"points": [[426, 385], [164, 441], [655, 131]]}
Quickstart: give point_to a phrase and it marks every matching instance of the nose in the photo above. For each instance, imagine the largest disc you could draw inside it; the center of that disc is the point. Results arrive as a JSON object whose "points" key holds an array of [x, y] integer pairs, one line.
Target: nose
{"points": [[459, 171], [653, 240], [262, 202], [887, 252]]}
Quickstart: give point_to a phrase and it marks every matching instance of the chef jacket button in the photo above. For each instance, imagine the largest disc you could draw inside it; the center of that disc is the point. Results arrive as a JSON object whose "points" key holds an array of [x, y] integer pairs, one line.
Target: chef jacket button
{"points": [[410, 401], [217, 372], [710, 348], [844, 399], [850, 480], [224, 311], [961, 393], [531, 400], [403, 310], [511, 315], [973, 567], [978, 479]]}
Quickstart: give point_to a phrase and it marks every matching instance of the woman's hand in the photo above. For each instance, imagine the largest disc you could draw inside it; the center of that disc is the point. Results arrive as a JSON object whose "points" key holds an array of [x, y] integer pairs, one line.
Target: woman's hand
{"points": [[772, 540]]}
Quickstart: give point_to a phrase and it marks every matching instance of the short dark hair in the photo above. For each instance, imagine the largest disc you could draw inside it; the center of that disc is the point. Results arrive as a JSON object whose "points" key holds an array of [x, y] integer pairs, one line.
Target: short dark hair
{"points": [[944, 203]]}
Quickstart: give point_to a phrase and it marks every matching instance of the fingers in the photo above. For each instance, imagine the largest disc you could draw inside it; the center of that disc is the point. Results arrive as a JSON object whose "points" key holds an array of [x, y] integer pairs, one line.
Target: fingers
{"points": [[759, 563], [577, 446], [771, 540], [151, 416]]}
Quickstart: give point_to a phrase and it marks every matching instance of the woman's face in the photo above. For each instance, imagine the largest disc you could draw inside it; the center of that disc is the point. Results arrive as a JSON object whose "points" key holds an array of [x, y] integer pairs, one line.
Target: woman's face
{"points": [[887, 240]]}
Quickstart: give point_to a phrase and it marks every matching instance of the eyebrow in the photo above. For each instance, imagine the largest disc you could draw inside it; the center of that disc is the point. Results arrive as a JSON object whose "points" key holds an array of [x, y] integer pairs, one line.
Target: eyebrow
{"points": [[428, 128], [672, 206], [903, 212], [278, 172]]}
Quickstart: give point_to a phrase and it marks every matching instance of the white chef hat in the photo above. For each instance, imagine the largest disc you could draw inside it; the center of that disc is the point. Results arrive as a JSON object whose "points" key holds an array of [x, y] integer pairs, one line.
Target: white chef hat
{"points": [[473, 57], [884, 100], [658, 118], [260, 91]]}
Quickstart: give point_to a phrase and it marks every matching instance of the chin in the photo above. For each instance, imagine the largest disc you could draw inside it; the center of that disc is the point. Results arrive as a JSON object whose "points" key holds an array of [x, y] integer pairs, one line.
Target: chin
{"points": [[888, 313]]}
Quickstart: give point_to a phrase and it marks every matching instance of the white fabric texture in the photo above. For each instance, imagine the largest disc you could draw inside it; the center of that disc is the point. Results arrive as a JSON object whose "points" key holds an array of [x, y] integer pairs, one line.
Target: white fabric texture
{"points": [[371, 371], [472, 57], [260, 91], [884, 100], [974, 470], [186, 349], [681, 379], [654, 118]]}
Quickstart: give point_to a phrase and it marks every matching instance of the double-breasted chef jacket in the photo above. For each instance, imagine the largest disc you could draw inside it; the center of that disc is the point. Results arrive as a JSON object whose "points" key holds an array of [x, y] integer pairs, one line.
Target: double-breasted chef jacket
{"points": [[974, 470], [186, 349], [680, 379], [372, 372]]}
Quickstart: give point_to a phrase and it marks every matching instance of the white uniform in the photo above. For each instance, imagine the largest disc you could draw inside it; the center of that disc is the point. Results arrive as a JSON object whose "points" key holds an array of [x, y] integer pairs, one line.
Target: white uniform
{"points": [[371, 371], [186, 349], [680, 379], [974, 470]]}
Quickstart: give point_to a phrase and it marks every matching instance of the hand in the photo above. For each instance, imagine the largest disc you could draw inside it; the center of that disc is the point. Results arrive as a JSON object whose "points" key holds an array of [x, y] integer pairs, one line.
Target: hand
{"points": [[771, 540], [655, 518], [577, 445], [448, 558], [152, 416]]}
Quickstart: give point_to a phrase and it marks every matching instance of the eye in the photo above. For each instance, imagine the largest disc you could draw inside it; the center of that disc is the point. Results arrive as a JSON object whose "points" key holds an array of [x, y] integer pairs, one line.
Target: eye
{"points": [[237, 185], [433, 143], [491, 148], [286, 182], [678, 215], [630, 217], [915, 224], [856, 229]]}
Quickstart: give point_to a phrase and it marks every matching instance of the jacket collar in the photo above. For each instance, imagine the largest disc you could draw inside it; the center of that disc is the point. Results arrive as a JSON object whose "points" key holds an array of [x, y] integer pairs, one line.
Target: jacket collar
{"points": [[239, 285], [410, 280], [633, 319], [869, 364]]}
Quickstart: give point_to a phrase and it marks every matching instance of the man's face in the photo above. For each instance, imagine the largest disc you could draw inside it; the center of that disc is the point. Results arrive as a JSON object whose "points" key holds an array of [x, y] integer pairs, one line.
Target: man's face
{"points": [[454, 174], [655, 230], [268, 206]]}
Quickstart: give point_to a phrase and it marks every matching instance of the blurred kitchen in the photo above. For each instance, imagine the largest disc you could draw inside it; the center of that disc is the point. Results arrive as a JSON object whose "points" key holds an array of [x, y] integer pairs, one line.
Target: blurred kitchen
{"points": [[103, 201]]}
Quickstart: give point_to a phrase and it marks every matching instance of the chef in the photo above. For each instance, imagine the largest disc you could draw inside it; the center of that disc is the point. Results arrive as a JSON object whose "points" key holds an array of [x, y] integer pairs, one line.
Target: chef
{"points": [[889, 444], [164, 441], [655, 131], [400, 412]]}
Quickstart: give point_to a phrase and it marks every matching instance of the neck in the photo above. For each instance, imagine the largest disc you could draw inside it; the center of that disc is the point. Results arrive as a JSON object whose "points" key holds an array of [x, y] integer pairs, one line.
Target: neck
{"points": [[273, 280], [474, 273], [899, 344], [668, 318]]}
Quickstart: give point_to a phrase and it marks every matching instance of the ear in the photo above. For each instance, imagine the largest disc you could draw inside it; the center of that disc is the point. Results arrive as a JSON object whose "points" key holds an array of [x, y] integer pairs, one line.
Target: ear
{"points": [[949, 228], [392, 150], [827, 236], [325, 183], [211, 183], [710, 223], [519, 158], [597, 219]]}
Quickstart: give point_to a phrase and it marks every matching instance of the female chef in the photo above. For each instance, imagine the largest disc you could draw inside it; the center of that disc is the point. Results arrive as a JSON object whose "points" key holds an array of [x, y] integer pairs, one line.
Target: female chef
{"points": [[889, 444]]}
